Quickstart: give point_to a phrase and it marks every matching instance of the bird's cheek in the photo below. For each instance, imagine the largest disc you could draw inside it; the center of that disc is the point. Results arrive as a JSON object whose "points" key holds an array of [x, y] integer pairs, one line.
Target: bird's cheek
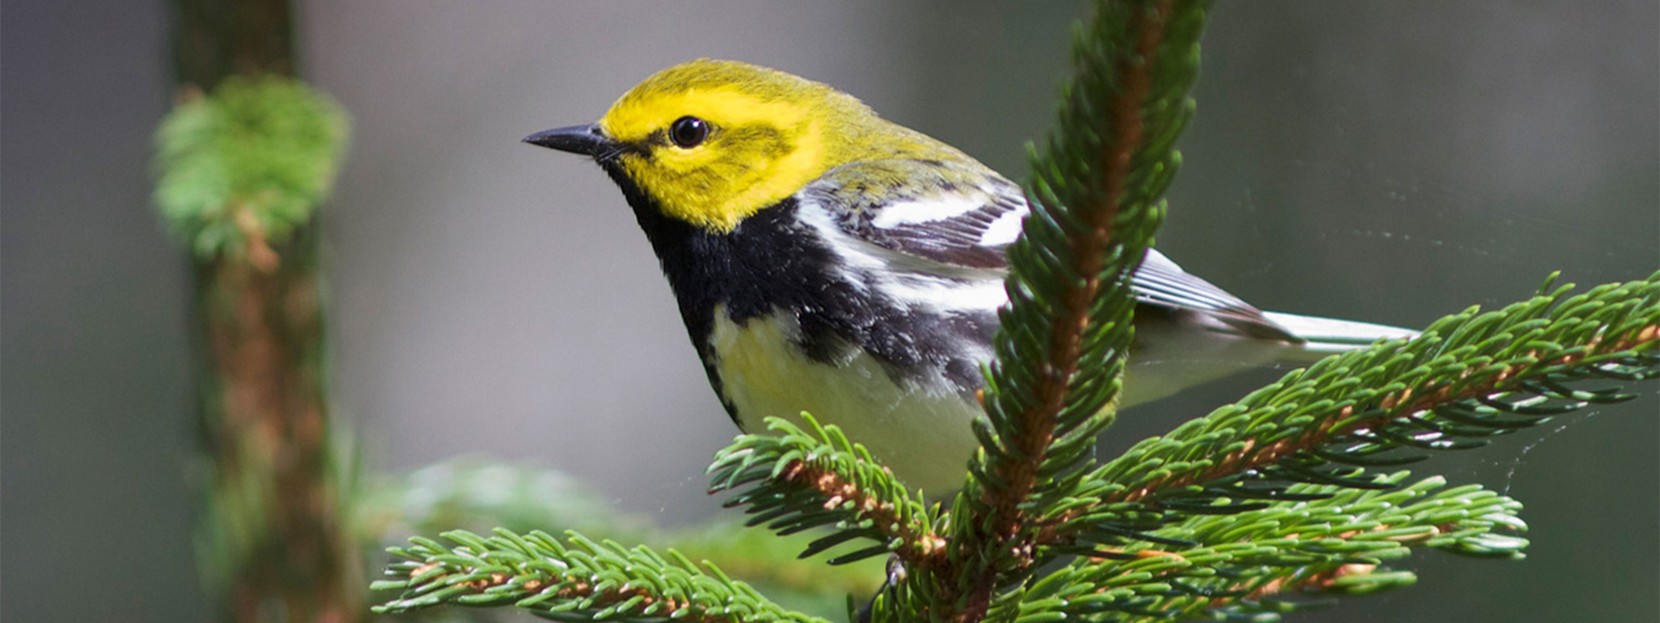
{"points": [[683, 161], [688, 196]]}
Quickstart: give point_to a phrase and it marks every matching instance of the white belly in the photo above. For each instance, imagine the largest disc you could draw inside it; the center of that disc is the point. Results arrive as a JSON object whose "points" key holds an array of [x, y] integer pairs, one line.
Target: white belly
{"points": [[920, 429]]}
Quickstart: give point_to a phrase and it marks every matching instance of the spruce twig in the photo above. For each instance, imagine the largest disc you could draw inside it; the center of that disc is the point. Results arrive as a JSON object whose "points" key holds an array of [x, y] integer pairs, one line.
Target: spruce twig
{"points": [[1257, 563], [1468, 377], [1096, 198], [574, 579], [806, 479], [478, 496]]}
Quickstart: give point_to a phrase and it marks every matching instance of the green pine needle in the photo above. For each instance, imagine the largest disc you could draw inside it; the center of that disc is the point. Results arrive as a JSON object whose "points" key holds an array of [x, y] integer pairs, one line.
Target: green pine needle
{"points": [[1269, 561], [570, 579], [1470, 376], [1096, 198], [472, 495], [795, 479]]}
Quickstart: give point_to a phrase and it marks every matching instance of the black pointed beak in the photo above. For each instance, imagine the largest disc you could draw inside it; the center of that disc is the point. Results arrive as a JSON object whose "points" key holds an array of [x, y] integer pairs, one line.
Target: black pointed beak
{"points": [[586, 139]]}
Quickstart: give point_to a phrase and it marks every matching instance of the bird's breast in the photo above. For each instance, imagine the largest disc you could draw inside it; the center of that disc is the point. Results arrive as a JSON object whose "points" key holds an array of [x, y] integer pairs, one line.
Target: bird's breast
{"points": [[917, 423]]}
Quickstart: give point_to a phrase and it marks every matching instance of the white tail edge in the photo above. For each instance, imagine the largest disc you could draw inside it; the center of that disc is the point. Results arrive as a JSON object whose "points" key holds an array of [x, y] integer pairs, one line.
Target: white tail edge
{"points": [[1328, 335]]}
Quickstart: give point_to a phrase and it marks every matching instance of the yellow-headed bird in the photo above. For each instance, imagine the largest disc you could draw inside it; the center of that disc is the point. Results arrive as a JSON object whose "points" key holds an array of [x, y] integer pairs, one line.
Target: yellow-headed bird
{"points": [[826, 260]]}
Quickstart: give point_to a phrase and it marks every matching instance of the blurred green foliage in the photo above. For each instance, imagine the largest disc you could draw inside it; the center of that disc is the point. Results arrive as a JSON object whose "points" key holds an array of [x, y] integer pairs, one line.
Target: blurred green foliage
{"points": [[256, 155]]}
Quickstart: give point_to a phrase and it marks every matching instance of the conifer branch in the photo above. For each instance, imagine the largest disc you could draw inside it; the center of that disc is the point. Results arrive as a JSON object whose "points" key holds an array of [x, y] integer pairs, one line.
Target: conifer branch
{"points": [[1096, 198], [1468, 377], [1253, 562], [478, 496], [798, 479], [576, 579]]}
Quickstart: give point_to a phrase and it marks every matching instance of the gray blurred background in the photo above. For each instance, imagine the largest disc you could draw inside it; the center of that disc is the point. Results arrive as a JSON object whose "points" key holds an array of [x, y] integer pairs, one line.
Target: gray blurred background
{"points": [[1388, 162]]}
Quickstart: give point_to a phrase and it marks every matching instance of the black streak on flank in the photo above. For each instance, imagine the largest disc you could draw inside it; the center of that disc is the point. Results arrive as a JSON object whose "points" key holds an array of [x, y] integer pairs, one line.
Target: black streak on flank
{"points": [[771, 262]]}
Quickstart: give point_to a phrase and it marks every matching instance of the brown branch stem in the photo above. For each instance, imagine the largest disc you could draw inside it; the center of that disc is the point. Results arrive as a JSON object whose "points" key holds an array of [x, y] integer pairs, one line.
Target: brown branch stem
{"points": [[1037, 425], [924, 543]]}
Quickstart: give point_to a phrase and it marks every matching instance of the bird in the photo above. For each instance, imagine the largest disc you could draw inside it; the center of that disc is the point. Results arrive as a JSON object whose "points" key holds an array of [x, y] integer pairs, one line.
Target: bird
{"points": [[826, 260]]}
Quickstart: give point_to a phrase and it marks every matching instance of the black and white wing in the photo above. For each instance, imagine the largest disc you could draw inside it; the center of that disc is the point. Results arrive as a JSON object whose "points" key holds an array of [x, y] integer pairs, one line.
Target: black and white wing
{"points": [[970, 226], [956, 216]]}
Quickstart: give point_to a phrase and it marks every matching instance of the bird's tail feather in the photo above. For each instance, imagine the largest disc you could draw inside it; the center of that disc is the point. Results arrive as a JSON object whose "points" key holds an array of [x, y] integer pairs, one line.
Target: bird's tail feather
{"points": [[1325, 336]]}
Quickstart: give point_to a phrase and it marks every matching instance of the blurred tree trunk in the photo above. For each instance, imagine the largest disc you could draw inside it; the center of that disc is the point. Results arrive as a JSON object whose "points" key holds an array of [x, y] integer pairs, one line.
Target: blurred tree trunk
{"points": [[274, 539], [213, 39]]}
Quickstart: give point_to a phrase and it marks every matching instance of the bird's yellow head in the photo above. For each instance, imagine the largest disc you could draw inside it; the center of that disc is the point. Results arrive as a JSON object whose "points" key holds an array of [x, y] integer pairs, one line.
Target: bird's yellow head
{"points": [[712, 142]]}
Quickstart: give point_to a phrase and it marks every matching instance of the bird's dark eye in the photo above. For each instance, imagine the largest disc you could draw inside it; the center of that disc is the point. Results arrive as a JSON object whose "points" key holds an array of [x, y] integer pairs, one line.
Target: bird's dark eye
{"points": [[688, 132]]}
